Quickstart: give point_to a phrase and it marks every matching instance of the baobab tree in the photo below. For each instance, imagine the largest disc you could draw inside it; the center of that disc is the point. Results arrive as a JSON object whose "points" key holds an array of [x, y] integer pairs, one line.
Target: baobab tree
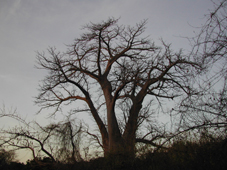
{"points": [[117, 72]]}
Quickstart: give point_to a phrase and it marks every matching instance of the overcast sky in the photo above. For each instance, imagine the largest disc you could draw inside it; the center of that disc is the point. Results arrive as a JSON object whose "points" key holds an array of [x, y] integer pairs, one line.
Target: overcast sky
{"points": [[27, 26]]}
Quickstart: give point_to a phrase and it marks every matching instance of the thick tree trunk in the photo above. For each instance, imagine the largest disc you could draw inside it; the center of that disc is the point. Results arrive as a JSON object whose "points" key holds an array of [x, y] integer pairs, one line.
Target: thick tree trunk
{"points": [[120, 145], [129, 134], [105, 144], [116, 144], [124, 145]]}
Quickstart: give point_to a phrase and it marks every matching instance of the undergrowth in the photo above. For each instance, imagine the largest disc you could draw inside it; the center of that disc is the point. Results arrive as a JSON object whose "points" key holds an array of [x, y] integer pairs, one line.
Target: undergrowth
{"points": [[208, 154]]}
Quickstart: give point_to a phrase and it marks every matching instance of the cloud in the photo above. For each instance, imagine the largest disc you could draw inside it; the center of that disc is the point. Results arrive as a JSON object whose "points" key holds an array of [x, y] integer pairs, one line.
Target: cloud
{"points": [[15, 6], [9, 8]]}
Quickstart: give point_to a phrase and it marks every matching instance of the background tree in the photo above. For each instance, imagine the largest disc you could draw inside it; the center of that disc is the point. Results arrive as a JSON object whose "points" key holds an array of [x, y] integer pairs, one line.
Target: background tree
{"points": [[33, 138], [111, 66], [56, 141], [68, 136], [6, 157], [208, 109]]}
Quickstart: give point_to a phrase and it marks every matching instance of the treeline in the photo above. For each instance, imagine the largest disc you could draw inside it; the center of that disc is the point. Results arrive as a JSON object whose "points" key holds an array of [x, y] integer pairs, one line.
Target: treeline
{"points": [[208, 153]]}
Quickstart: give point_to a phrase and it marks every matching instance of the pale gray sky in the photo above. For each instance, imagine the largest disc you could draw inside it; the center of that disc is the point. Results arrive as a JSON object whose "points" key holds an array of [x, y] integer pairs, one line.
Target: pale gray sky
{"points": [[27, 26]]}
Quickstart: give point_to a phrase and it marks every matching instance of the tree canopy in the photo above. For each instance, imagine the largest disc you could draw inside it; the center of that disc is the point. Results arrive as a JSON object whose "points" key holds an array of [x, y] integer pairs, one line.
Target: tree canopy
{"points": [[115, 70]]}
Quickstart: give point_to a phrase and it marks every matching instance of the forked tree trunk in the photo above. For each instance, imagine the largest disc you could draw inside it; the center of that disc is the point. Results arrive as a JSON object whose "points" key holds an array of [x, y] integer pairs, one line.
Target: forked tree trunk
{"points": [[116, 144], [123, 144], [120, 144]]}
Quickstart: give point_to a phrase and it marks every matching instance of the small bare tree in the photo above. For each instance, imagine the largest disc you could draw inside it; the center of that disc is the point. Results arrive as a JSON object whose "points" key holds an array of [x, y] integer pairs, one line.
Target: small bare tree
{"points": [[69, 138], [208, 109], [58, 141], [36, 139]]}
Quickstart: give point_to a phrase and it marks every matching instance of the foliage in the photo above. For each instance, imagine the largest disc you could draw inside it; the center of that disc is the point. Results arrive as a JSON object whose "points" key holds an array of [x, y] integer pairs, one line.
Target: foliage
{"points": [[206, 153], [185, 155], [6, 157]]}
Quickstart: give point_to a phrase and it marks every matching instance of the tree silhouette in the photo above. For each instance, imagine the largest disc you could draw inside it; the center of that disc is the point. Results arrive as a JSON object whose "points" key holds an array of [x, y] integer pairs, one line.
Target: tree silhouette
{"points": [[56, 141], [208, 109], [117, 72]]}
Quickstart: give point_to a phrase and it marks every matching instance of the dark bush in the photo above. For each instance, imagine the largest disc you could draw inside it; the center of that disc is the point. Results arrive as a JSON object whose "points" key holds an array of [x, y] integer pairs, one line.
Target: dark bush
{"points": [[181, 155]]}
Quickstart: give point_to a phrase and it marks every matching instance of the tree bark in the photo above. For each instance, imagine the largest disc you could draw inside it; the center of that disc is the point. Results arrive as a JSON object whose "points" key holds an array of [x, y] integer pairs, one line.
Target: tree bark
{"points": [[131, 127], [115, 141]]}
